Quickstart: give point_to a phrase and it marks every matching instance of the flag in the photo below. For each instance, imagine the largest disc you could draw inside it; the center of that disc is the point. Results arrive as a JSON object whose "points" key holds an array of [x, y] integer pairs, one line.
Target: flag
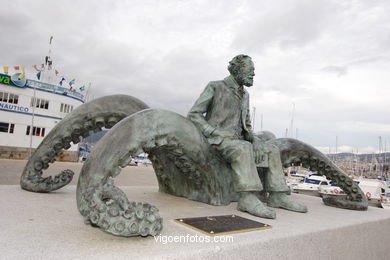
{"points": [[16, 67], [23, 76], [39, 75], [56, 72], [72, 89], [5, 68], [51, 38], [42, 66], [36, 67], [82, 88], [72, 82], [62, 81]]}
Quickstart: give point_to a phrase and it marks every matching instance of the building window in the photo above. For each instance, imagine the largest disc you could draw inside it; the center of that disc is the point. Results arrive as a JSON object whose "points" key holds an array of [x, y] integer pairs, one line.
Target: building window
{"points": [[7, 128], [39, 103], [65, 108], [37, 131], [9, 97]]}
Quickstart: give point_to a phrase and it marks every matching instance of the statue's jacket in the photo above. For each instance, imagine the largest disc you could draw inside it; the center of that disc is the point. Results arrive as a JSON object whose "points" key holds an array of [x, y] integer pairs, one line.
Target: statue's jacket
{"points": [[222, 105]]}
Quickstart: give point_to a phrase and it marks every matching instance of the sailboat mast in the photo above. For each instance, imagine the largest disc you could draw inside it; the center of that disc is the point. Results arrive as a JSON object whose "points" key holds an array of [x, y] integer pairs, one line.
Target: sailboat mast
{"points": [[385, 160], [335, 153], [380, 162], [261, 122], [292, 121]]}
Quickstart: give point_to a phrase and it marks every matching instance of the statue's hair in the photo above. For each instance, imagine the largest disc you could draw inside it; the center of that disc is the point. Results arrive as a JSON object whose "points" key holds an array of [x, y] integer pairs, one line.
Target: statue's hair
{"points": [[237, 63]]}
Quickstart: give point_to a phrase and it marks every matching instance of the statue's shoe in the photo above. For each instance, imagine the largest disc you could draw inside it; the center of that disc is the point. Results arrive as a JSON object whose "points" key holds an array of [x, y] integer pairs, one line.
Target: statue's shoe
{"points": [[251, 204], [282, 200]]}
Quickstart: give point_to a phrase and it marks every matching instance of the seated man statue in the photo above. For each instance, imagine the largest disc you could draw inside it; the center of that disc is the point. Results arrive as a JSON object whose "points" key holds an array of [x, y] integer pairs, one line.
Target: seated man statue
{"points": [[222, 114]]}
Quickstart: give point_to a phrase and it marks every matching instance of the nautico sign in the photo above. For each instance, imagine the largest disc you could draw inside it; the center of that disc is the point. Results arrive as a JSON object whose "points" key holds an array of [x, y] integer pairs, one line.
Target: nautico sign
{"points": [[16, 80], [11, 107]]}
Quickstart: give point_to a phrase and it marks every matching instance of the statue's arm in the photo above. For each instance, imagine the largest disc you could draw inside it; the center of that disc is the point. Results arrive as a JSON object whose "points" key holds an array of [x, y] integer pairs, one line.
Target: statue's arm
{"points": [[199, 109]]}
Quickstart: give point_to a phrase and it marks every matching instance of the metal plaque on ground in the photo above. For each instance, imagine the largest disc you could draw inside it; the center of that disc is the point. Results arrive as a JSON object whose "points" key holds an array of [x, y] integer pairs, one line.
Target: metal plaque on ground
{"points": [[222, 225]]}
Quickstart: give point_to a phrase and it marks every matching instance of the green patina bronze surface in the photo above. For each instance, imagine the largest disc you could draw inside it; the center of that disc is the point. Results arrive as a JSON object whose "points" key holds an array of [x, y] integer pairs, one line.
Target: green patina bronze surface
{"points": [[192, 157]]}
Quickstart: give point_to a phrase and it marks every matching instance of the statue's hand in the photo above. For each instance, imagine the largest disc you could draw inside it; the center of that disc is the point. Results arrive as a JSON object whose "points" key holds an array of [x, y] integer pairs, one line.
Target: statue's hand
{"points": [[259, 150], [259, 155]]}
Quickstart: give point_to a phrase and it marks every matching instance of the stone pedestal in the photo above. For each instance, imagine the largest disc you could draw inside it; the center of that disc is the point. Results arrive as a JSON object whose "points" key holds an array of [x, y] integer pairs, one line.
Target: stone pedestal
{"points": [[48, 226]]}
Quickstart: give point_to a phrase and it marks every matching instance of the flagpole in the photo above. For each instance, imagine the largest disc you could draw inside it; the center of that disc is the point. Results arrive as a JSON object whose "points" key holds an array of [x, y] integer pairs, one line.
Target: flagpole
{"points": [[50, 62], [32, 119]]}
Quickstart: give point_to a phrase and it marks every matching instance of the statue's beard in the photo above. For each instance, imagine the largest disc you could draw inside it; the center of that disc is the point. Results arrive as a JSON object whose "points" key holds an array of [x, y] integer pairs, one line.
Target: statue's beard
{"points": [[243, 80]]}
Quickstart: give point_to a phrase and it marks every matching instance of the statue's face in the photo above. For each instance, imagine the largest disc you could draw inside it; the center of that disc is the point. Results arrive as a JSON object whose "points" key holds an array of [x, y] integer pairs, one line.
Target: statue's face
{"points": [[246, 74]]}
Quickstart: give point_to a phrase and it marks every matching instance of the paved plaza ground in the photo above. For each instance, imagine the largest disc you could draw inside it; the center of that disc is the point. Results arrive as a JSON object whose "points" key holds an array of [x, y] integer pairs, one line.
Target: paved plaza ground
{"points": [[11, 170]]}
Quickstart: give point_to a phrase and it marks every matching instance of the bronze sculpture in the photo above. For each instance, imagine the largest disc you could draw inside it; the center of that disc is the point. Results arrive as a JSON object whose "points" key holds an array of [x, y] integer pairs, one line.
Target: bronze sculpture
{"points": [[222, 115], [188, 159]]}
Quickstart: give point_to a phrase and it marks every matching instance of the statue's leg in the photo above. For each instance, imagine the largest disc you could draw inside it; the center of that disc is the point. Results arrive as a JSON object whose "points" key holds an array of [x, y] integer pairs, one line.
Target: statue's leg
{"points": [[275, 184], [240, 155], [274, 179]]}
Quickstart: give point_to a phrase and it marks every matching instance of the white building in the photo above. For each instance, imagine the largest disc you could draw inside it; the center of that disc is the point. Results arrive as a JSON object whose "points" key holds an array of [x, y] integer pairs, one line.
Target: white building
{"points": [[29, 110]]}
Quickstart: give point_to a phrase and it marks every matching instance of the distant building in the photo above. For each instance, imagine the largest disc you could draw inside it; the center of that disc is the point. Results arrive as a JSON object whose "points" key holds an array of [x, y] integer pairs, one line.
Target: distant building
{"points": [[29, 110]]}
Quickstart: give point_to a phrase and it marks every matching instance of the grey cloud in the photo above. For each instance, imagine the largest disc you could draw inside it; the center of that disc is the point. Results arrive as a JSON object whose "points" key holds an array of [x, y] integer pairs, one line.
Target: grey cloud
{"points": [[343, 70], [373, 59], [289, 24], [339, 70]]}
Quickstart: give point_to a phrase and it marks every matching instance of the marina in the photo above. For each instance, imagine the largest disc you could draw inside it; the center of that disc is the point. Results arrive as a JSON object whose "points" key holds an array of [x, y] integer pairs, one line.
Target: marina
{"points": [[310, 183]]}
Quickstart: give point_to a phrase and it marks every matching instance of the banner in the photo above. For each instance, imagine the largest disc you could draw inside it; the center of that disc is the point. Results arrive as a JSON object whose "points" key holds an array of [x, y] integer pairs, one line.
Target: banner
{"points": [[36, 67], [16, 80]]}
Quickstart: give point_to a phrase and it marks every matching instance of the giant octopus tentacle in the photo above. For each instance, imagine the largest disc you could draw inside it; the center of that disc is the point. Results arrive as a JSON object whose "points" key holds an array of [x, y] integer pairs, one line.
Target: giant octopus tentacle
{"points": [[180, 156], [99, 113], [295, 152]]}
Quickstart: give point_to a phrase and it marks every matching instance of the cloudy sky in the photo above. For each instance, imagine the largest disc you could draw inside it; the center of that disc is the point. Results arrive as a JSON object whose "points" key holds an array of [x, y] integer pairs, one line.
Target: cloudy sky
{"points": [[329, 58]]}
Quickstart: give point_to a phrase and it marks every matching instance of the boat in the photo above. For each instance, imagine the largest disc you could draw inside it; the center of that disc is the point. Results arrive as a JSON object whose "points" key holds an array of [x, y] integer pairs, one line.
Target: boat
{"points": [[296, 177], [311, 185], [374, 190], [385, 200], [331, 190]]}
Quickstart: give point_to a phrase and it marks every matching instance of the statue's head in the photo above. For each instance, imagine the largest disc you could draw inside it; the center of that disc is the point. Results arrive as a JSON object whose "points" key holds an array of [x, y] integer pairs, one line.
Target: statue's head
{"points": [[242, 69]]}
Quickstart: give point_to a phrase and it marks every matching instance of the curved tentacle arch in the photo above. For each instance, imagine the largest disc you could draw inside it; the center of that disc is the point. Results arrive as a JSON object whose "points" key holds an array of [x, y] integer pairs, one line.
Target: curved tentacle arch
{"points": [[99, 113], [105, 205], [295, 152]]}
